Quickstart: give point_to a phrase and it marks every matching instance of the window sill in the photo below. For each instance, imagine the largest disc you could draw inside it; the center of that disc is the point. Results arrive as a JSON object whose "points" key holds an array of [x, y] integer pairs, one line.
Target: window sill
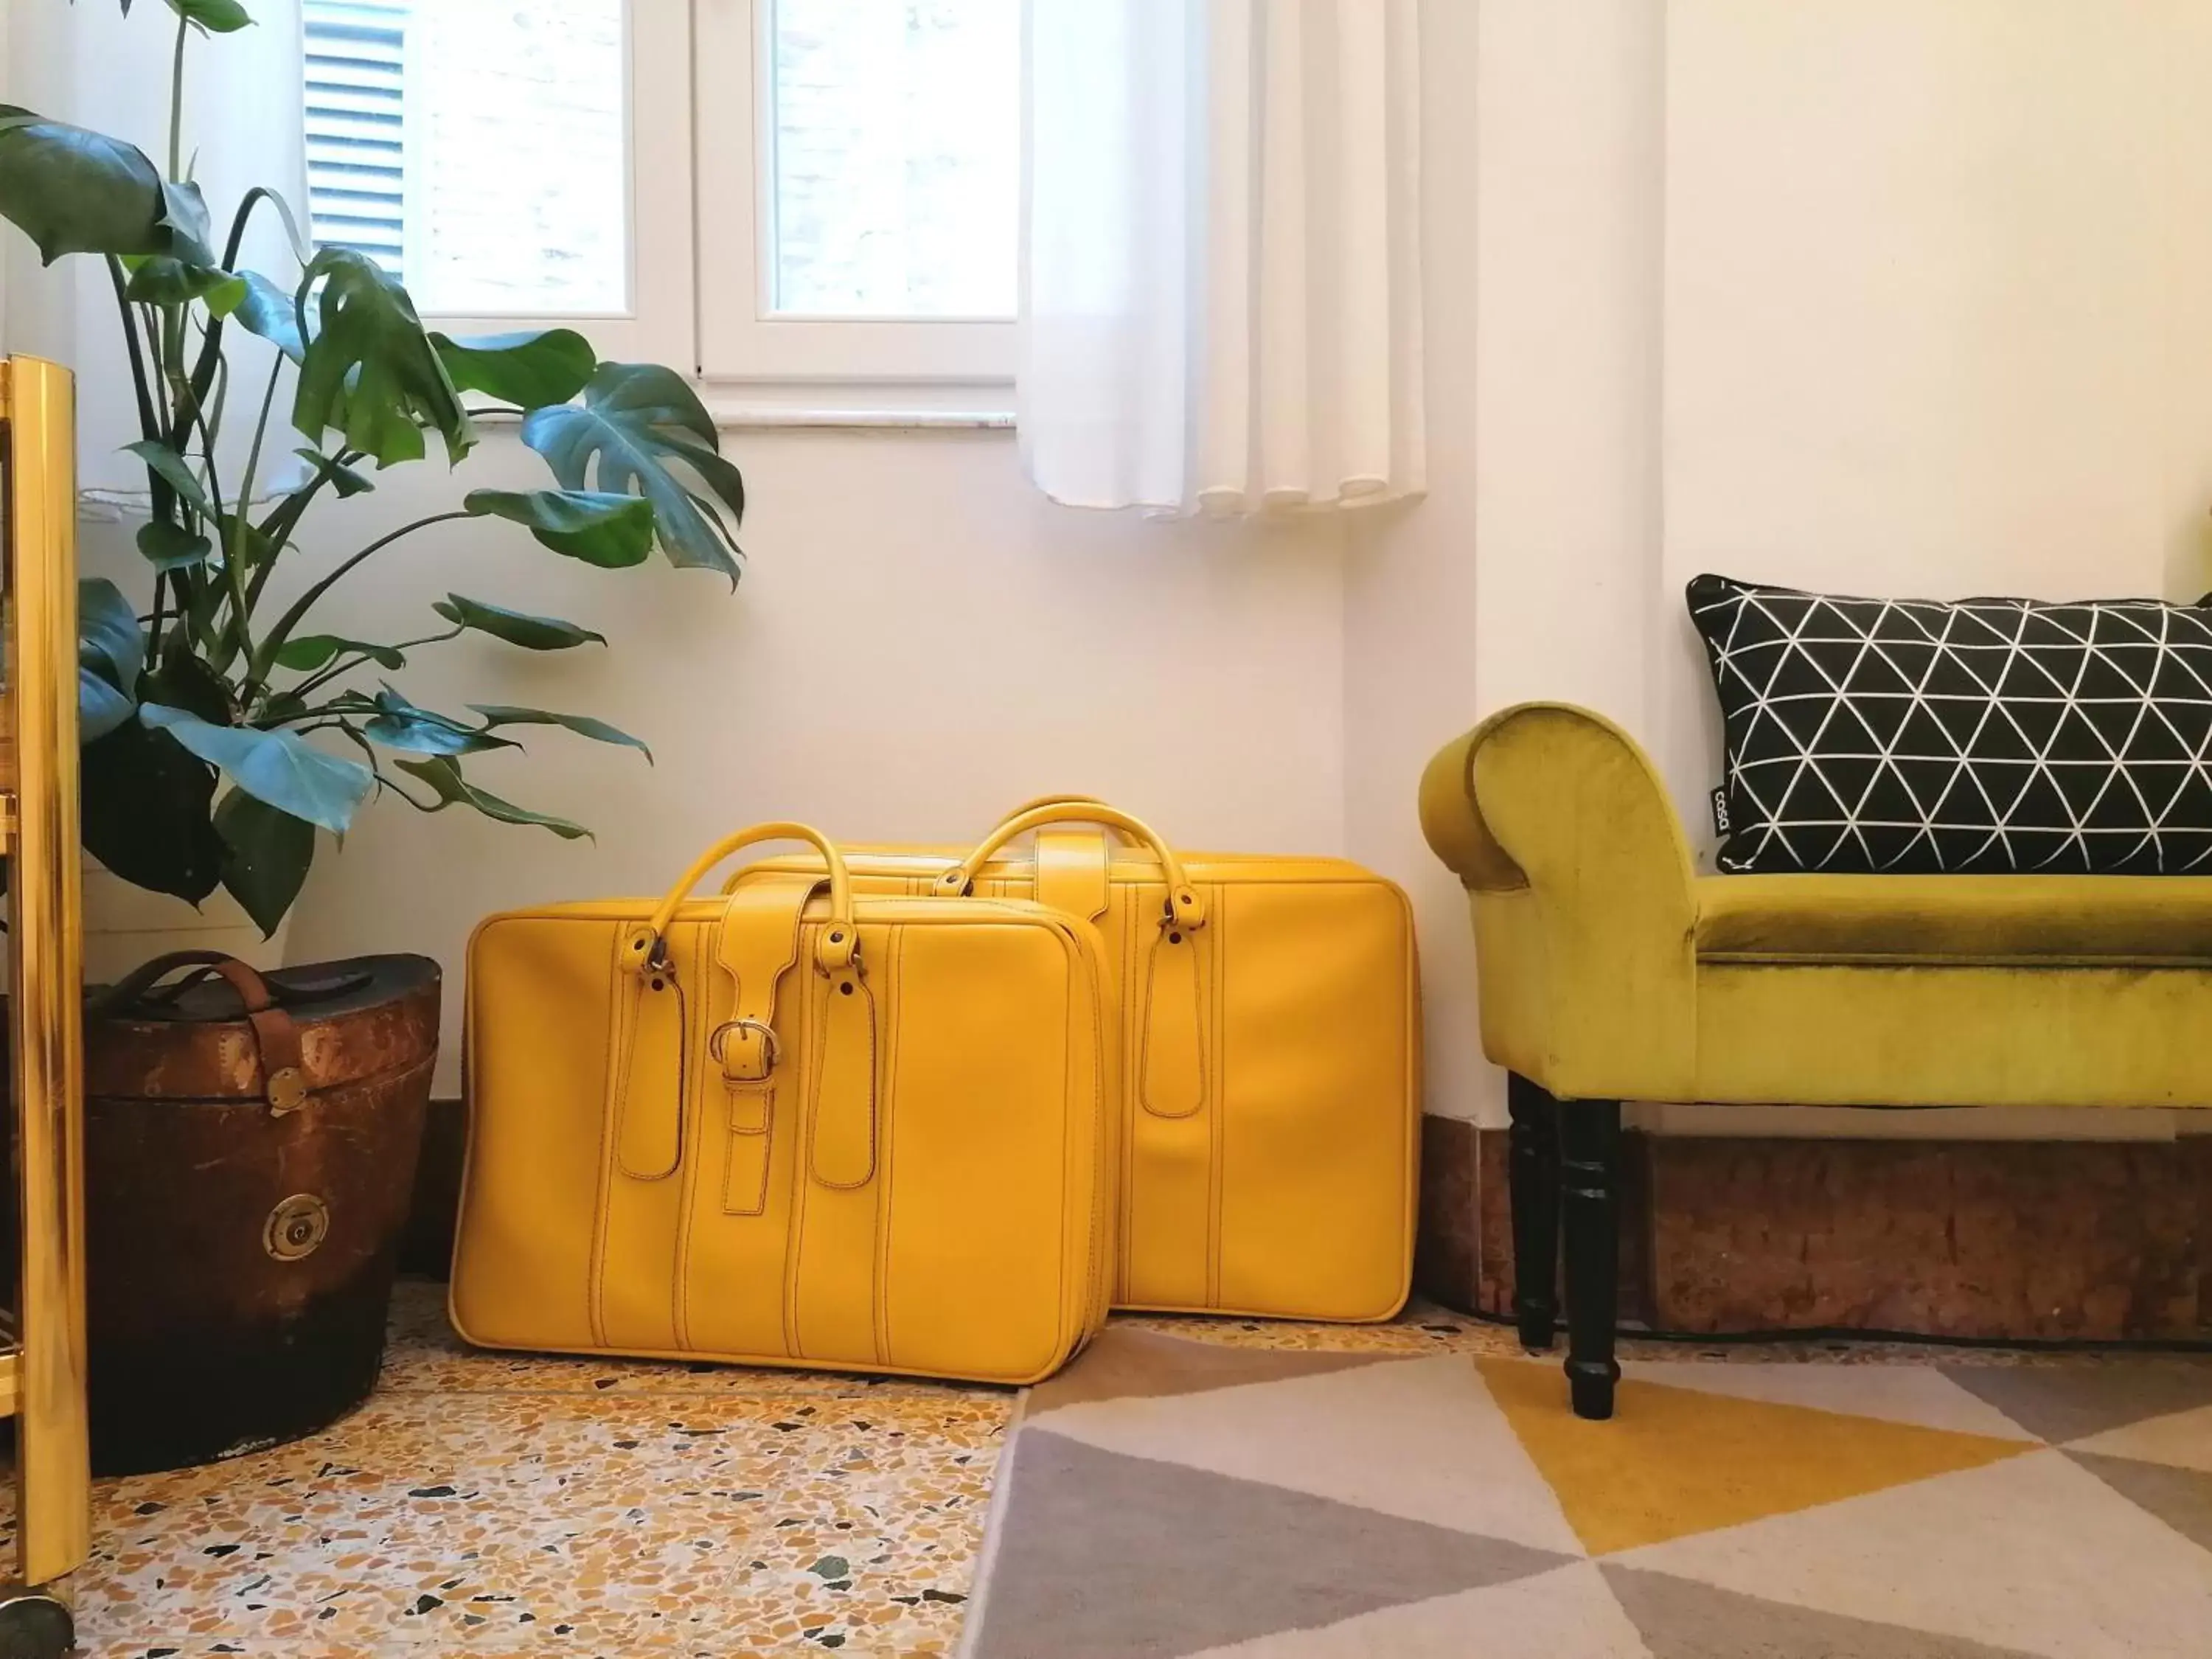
{"points": [[856, 406], [861, 405], [737, 415]]}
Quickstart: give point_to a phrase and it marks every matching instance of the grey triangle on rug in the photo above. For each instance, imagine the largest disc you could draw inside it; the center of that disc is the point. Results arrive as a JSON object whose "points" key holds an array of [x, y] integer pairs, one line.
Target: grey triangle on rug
{"points": [[1174, 1498], [1104, 1555]]}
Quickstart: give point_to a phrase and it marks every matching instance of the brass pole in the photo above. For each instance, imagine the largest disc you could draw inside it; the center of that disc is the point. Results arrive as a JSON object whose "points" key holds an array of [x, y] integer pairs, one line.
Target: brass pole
{"points": [[46, 951]]}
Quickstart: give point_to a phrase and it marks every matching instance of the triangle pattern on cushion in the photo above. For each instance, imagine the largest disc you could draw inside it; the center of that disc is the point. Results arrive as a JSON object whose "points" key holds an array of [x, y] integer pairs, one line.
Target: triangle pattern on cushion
{"points": [[2046, 710]]}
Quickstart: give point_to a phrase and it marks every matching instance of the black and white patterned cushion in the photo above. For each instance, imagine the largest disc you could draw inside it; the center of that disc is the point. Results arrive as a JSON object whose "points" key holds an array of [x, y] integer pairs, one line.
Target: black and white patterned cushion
{"points": [[1990, 735]]}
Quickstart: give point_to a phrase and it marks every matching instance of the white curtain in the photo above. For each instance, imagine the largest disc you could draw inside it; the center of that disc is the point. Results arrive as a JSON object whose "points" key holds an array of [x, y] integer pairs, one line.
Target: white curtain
{"points": [[83, 62], [1221, 307]]}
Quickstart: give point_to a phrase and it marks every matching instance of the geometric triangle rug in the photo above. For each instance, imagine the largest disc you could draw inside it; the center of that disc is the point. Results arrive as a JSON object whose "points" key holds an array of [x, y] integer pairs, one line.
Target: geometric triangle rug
{"points": [[1165, 1498]]}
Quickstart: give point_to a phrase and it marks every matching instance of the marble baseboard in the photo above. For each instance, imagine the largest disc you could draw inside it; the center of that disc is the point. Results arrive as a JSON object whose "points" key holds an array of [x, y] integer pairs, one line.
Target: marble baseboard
{"points": [[2043, 1240]]}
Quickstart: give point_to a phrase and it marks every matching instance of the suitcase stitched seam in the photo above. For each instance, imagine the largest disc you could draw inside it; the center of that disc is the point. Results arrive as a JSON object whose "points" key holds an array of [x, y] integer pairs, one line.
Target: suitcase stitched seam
{"points": [[679, 1296], [814, 1087], [887, 1103]]}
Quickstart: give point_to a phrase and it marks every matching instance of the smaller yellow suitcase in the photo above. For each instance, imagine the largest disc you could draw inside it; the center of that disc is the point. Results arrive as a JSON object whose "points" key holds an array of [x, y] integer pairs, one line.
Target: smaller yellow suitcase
{"points": [[1265, 1053], [787, 1127]]}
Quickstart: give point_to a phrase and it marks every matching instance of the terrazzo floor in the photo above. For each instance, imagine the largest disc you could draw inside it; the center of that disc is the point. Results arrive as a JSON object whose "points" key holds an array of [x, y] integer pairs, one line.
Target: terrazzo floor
{"points": [[507, 1506]]}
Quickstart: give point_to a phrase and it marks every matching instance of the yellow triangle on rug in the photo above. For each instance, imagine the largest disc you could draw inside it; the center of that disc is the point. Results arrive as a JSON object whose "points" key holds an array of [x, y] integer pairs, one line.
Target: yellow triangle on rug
{"points": [[1676, 1460]]}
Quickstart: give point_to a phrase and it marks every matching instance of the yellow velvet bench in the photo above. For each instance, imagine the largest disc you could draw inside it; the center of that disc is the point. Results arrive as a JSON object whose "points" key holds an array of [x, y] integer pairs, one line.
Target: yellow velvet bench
{"points": [[1610, 971]]}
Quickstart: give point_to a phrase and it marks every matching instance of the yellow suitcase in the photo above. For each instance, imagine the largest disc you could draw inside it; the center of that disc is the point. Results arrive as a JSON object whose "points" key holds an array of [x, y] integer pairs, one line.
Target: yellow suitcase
{"points": [[787, 1127], [1266, 1054]]}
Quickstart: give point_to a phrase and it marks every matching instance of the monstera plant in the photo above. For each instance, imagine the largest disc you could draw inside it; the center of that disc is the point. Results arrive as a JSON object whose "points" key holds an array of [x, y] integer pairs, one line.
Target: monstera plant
{"points": [[225, 719]]}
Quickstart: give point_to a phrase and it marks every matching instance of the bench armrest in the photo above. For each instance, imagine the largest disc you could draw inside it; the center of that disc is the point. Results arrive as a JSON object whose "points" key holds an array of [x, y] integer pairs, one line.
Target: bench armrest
{"points": [[1584, 897]]}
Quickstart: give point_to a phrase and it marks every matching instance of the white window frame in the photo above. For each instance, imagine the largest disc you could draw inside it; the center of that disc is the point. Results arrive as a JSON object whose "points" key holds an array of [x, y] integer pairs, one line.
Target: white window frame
{"points": [[790, 360], [659, 323]]}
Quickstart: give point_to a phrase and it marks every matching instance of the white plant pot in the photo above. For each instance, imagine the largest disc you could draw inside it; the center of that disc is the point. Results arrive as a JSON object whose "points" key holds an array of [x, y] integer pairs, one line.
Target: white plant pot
{"points": [[125, 926]]}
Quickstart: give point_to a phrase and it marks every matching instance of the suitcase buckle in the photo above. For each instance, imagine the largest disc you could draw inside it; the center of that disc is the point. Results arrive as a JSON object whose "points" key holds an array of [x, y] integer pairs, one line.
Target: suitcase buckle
{"points": [[770, 1049]]}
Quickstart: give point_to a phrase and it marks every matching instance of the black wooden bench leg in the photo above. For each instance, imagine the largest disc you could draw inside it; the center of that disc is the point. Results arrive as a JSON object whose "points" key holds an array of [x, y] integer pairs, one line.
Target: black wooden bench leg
{"points": [[1589, 1139], [1533, 1149]]}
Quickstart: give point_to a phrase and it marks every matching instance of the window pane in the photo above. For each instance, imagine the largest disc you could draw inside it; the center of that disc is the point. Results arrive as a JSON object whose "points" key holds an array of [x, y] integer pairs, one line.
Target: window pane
{"points": [[475, 147], [897, 138]]}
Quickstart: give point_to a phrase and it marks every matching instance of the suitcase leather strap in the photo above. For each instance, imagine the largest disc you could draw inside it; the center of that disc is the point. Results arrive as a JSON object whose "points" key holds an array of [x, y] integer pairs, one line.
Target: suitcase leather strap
{"points": [[758, 941], [761, 929], [1071, 871], [1173, 1082], [648, 1081], [1171, 1056]]}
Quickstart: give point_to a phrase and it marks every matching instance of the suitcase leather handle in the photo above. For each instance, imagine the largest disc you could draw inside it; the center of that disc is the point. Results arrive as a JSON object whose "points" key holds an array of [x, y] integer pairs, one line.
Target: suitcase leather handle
{"points": [[646, 947], [1172, 1075], [756, 941], [1037, 804], [1184, 910]]}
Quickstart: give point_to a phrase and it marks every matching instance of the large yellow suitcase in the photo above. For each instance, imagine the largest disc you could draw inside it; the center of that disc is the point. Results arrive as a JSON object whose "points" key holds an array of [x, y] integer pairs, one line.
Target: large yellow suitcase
{"points": [[1266, 1053], [788, 1127]]}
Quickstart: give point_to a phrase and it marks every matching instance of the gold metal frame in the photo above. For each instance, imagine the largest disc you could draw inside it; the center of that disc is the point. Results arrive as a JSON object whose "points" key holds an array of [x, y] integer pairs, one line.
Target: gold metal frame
{"points": [[42, 1379]]}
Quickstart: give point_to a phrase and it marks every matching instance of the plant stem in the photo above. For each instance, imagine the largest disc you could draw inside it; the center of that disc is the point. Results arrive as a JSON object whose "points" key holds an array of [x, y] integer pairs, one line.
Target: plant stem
{"points": [[234, 560], [276, 529], [211, 339], [177, 100], [146, 426], [335, 671], [290, 619], [149, 428]]}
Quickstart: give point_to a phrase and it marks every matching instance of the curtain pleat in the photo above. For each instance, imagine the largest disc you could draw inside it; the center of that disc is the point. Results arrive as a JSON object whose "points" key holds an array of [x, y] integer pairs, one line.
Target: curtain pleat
{"points": [[1222, 287]]}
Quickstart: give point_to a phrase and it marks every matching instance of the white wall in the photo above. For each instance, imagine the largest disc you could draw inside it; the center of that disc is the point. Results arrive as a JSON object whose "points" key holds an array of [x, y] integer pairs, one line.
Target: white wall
{"points": [[1531, 570], [1906, 295], [921, 642], [1934, 304], [1890, 295]]}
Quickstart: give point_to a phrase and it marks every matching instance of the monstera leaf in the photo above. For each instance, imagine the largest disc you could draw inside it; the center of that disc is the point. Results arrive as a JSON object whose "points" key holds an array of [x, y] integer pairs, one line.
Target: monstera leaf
{"points": [[265, 855], [110, 654], [309, 651], [162, 281], [529, 371], [371, 371], [266, 309], [515, 627], [498, 715], [279, 768], [216, 16], [639, 431], [612, 532], [397, 723], [71, 191], [108, 633], [453, 790], [146, 806]]}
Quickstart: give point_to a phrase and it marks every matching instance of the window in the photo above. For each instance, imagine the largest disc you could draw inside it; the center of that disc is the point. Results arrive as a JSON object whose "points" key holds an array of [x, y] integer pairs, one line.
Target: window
{"points": [[846, 211], [492, 155], [357, 90], [861, 190], [894, 134]]}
